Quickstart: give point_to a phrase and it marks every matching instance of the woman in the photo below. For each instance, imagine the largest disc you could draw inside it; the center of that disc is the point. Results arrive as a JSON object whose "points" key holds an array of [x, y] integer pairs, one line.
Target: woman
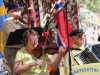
{"points": [[30, 61]]}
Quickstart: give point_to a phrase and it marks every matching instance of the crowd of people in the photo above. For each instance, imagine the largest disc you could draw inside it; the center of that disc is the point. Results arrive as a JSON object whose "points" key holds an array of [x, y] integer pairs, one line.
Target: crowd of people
{"points": [[26, 61], [30, 61], [92, 34]]}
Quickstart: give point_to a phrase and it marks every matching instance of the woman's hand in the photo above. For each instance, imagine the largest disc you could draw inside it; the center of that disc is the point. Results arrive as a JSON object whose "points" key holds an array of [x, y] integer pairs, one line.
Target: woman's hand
{"points": [[62, 49], [55, 64], [39, 63]]}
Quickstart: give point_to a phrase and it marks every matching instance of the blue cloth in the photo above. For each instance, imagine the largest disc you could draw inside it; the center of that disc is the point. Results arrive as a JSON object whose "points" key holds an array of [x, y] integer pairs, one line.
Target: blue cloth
{"points": [[1, 55], [13, 6], [3, 14]]}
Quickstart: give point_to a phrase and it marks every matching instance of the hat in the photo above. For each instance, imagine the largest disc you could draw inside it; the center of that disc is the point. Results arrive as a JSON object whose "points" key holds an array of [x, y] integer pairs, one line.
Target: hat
{"points": [[13, 6], [76, 32]]}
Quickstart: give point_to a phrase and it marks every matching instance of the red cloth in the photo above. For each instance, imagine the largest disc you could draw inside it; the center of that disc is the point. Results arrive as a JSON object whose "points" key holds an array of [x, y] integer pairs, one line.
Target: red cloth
{"points": [[61, 25], [45, 34], [33, 15]]}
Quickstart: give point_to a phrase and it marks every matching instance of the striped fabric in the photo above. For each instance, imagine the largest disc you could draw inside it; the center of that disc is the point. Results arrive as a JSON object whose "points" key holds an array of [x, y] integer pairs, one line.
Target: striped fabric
{"points": [[33, 13], [61, 25], [3, 16], [36, 8]]}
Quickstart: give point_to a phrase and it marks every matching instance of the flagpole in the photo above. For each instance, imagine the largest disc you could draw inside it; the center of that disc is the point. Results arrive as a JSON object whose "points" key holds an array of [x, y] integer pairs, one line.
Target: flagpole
{"points": [[69, 48]]}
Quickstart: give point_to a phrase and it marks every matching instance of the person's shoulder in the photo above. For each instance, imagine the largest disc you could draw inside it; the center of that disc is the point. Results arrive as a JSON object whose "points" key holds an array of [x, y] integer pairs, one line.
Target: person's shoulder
{"points": [[8, 20], [22, 49]]}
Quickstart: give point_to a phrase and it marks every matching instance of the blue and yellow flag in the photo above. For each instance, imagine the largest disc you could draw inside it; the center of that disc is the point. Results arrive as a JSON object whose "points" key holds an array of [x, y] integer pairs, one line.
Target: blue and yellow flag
{"points": [[3, 16]]}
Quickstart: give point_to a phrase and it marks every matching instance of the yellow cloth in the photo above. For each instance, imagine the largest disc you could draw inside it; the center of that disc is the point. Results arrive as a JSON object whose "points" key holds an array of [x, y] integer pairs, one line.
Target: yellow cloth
{"points": [[86, 69], [26, 58], [73, 53], [1, 44]]}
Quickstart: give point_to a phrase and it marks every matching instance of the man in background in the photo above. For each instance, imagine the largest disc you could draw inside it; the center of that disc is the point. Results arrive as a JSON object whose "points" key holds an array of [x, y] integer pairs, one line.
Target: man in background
{"points": [[78, 39], [10, 25]]}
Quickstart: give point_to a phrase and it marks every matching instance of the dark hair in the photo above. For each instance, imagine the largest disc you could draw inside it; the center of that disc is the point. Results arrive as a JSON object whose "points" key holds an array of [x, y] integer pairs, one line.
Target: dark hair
{"points": [[26, 35]]}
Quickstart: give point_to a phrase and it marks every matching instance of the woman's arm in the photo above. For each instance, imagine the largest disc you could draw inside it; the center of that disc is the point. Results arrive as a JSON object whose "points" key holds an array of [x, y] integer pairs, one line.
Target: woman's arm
{"points": [[19, 68], [55, 63]]}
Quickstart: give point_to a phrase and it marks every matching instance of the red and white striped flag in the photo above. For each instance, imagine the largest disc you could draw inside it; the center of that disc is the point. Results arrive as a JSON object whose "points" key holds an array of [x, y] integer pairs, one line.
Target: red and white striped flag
{"points": [[31, 8], [60, 21]]}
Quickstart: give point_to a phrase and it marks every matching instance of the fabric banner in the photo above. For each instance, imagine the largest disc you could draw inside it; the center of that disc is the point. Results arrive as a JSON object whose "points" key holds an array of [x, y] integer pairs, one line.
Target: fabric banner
{"points": [[63, 26], [3, 16], [87, 69], [33, 15], [1, 44]]}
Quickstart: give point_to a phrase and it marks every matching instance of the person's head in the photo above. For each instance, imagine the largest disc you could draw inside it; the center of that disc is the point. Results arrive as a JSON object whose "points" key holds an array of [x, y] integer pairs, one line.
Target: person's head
{"points": [[77, 36], [14, 10], [30, 38], [95, 27]]}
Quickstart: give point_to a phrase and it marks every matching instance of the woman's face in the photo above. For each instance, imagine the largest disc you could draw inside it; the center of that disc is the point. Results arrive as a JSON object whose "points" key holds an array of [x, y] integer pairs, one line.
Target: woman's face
{"points": [[32, 41]]}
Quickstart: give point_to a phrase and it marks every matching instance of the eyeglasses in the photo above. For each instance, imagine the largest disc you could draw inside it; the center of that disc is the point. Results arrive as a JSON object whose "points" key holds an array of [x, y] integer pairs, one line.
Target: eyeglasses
{"points": [[33, 40]]}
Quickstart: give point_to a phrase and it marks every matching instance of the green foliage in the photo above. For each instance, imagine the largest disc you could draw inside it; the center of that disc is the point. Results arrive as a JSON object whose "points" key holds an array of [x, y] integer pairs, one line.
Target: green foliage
{"points": [[93, 5]]}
